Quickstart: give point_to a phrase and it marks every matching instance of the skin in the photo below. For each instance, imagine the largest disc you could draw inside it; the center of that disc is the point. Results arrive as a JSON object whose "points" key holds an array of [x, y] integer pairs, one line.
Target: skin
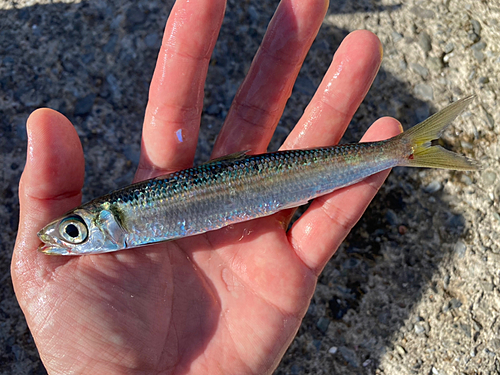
{"points": [[229, 301]]}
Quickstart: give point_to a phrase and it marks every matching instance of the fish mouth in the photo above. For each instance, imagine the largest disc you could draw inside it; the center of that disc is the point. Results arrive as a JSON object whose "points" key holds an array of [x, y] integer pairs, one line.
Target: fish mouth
{"points": [[48, 249], [50, 245], [53, 249]]}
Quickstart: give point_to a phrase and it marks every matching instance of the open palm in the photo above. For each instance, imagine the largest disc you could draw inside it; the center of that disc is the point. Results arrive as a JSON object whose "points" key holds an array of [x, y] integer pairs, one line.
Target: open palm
{"points": [[229, 301]]}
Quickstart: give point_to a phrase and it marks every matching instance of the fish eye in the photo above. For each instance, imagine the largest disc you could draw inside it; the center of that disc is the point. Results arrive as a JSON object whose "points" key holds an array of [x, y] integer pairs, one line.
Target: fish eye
{"points": [[73, 229]]}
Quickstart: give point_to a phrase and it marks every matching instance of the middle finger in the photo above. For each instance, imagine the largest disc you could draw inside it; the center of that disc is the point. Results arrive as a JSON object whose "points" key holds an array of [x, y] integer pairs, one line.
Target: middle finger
{"points": [[261, 98]]}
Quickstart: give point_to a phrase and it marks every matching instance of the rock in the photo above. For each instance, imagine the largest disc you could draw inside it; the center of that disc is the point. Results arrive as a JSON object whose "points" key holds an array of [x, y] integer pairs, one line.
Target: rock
{"points": [[396, 37], [435, 63], [478, 55], [419, 328], [422, 112], [400, 349], [87, 58], [476, 26], [455, 223], [487, 287], [455, 303], [424, 41], [489, 352], [317, 344], [449, 47], [135, 16], [459, 249], [305, 86], [473, 352], [446, 58], [132, 152], [473, 37], [117, 22], [417, 366], [349, 355], [114, 86], [446, 282], [83, 106], [109, 47], [323, 324], [391, 217], [253, 14], [476, 325], [424, 91], [350, 263], [312, 310], [295, 370], [466, 180], [19, 352], [466, 145], [31, 98], [8, 60], [433, 187], [483, 80], [489, 178], [402, 64], [152, 40], [213, 109], [496, 216], [337, 308], [423, 13], [446, 307], [495, 344], [489, 118], [479, 46], [419, 69], [466, 329]]}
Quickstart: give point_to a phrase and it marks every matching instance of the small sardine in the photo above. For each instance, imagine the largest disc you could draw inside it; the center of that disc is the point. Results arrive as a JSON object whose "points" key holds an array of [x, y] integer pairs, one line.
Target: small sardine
{"points": [[241, 187]]}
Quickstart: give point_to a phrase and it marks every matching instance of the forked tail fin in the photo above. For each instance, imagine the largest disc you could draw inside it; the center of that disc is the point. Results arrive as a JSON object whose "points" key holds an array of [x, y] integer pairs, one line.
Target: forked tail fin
{"points": [[424, 136]]}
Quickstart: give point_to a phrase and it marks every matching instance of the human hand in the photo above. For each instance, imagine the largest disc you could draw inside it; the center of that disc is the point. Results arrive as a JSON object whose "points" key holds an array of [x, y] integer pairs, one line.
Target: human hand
{"points": [[228, 301]]}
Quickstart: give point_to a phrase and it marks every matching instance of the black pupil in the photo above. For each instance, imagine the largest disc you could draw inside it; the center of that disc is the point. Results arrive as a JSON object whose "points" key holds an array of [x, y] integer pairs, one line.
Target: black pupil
{"points": [[71, 230]]}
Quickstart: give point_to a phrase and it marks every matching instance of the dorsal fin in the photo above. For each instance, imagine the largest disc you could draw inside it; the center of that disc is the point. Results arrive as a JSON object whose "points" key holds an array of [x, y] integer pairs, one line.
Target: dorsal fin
{"points": [[240, 155]]}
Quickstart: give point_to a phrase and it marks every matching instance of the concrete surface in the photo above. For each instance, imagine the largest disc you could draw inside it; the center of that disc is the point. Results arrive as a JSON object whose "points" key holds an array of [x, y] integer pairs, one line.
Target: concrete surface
{"points": [[415, 287]]}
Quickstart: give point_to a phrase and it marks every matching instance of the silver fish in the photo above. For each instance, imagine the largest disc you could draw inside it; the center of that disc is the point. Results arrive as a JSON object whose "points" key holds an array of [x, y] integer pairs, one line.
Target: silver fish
{"points": [[240, 187]]}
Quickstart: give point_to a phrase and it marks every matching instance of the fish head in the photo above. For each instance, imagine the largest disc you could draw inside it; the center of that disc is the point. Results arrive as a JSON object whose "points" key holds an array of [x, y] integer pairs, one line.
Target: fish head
{"points": [[82, 231]]}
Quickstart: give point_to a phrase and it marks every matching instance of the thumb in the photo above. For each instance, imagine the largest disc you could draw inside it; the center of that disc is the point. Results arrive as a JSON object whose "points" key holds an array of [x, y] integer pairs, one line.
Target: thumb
{"points": [[50, 185]]}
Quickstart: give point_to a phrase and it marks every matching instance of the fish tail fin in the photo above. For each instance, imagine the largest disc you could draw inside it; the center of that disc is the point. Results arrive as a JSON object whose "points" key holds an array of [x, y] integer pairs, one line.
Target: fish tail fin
{"points": [[424, 141]]}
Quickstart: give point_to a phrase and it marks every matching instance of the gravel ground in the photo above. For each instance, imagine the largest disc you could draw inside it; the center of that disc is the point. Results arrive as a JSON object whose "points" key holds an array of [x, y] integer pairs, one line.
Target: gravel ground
{"points": [[415, 287]]}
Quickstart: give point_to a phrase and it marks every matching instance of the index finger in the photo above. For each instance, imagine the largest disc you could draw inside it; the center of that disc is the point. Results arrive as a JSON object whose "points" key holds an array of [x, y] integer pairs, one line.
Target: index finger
{"points": [[261, 98], [173, 112]]}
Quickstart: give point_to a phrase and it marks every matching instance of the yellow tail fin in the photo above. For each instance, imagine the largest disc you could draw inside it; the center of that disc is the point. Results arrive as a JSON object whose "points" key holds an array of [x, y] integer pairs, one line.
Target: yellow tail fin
{"points": [[423, 137]]}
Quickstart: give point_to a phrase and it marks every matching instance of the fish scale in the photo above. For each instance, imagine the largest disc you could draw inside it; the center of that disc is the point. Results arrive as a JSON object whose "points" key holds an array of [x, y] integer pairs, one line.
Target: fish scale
{"points": [[239, 187]]}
